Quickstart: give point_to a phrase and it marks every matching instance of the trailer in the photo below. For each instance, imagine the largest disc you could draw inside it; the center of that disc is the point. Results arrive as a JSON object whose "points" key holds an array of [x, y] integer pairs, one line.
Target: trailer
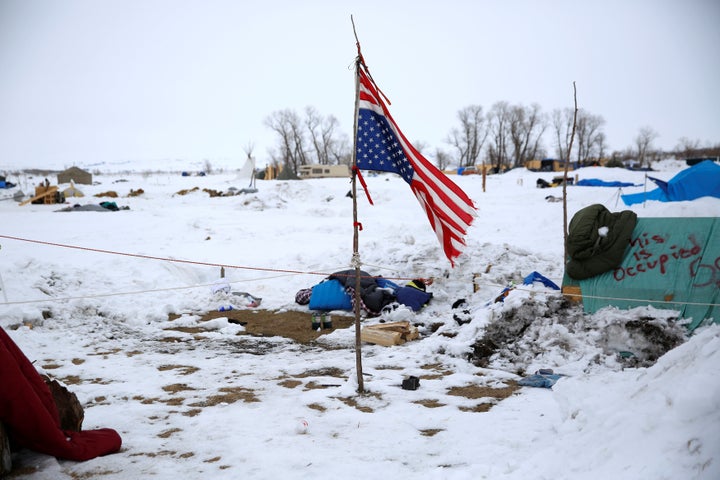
{"points": [[323, 171]]}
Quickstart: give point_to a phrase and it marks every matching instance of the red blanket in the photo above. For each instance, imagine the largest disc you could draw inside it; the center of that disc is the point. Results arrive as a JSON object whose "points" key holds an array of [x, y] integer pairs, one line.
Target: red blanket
{"points": [[29, 414]]}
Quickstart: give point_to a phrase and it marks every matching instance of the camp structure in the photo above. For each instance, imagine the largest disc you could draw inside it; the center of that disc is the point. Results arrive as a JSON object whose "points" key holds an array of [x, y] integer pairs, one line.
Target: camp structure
{"points": [[547, 165], [324, 171], [72, 191], [75, 174], [45, 194], [671, 263], [700, 180]]}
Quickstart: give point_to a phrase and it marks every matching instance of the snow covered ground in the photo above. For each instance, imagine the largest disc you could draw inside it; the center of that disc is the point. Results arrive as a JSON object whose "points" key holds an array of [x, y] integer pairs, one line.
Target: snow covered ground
{"points": [[222, 405]]}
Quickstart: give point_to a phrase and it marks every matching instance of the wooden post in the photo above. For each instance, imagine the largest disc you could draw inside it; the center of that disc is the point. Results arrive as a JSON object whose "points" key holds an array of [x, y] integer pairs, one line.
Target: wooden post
{"points": [[484, 175], [565, 178], [356, 254]]}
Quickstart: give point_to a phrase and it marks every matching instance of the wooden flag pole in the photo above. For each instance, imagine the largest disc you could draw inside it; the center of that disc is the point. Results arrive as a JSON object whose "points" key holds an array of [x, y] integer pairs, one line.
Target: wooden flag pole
{"points": [[565, 176], [356, 225]]}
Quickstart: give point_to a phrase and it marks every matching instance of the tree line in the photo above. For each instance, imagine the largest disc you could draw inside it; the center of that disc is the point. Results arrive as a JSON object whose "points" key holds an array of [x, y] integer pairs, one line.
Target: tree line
{"points": [[503, 137]]}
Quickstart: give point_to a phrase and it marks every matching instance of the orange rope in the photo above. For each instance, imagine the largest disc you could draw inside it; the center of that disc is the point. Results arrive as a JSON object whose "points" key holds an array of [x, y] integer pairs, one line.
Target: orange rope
{"points": [[176, 260]]}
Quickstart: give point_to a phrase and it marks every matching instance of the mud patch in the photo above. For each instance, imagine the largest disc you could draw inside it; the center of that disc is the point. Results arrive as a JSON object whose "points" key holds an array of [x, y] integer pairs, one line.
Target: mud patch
{"points": [[295, 325], [228, 395], [491, 396], [182, 369], [430, 403], [360, 402]]}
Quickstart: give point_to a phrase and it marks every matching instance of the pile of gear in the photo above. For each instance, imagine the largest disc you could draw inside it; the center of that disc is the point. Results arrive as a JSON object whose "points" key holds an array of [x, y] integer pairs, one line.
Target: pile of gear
{"points": [[337, 292]]}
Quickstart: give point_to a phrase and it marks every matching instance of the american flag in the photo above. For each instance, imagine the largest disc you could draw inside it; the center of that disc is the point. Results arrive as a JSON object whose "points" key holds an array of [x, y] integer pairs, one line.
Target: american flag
{"points": [[382, 146]]}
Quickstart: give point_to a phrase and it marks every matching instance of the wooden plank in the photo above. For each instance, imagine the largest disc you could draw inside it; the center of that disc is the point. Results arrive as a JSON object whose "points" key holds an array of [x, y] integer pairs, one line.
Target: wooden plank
{"points": [[412, 334], [381, 337], [572, 292], [397, 326], [51, 190], [394, 333]]}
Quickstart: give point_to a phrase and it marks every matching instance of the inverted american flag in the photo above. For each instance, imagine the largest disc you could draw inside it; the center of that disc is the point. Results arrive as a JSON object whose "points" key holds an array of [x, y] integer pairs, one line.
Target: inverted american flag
{"points": [[380, 145]]}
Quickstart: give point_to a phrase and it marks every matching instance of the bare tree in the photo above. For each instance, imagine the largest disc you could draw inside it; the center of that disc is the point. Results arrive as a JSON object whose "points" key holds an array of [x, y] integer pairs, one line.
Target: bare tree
{"points": [[601, 146], [587, 134], [442, 159], [643, 142], [589, 138], [286, 124], [470, 137], [562, 121], [341, 152], [688, 148], [323, 136], [499, 119], [527, 126]]}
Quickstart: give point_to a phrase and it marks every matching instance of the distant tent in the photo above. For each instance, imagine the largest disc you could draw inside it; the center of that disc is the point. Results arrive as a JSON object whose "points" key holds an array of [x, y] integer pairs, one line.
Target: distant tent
{"points": [[72, 191], [671, 263], [700, 180], [247, 172], [75, 174]]}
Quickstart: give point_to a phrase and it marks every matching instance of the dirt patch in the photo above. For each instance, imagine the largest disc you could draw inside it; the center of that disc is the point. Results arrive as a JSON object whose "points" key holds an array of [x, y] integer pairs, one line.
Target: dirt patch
{"points": [[492, 396], [295, 325], [185, 191], [169, 432], [182, 369], [228, 395], [474, 392], [357, 402], [110, 193], [430, 403]]}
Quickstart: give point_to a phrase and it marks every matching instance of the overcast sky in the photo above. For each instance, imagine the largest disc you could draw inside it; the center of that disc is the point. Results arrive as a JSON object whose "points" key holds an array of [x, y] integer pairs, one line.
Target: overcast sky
{"points": [[92, 81]]}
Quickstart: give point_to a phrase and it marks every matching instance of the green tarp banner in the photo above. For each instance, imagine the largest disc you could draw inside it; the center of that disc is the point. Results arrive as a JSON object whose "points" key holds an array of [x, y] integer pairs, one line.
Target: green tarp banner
{"points": [[671, 263]]}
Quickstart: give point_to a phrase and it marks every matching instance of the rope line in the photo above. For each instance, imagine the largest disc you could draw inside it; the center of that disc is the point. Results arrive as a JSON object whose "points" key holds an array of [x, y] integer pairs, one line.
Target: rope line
{"points": [[641, 300], [164, 259], [274, 270]]}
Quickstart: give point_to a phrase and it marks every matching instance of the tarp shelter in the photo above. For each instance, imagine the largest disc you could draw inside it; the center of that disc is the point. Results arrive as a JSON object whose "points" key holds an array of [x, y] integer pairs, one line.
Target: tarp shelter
{"points": [[596, 182], [701, 180], [671, 263], [75, 174], [72, 191]]}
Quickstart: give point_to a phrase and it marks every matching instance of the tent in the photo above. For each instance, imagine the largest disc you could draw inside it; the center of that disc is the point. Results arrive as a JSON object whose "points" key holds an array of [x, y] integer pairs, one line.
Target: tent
{"points": [[78, 175], [72, 191], [671, 263], [700, 180]]}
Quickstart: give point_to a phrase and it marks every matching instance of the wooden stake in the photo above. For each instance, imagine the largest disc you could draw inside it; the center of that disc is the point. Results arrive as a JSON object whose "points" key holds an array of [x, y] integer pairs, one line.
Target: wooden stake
{"points": [[565, 178], [356, 254]]}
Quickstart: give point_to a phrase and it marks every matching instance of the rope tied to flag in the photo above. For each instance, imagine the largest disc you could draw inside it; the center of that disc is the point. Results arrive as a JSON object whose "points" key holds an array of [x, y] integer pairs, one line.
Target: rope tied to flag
{"points": [[356, 171]]}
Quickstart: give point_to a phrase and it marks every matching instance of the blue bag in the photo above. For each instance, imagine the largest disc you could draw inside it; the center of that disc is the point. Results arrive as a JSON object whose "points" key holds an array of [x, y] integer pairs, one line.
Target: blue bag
{"points": [[413, 297], [329, 295]]}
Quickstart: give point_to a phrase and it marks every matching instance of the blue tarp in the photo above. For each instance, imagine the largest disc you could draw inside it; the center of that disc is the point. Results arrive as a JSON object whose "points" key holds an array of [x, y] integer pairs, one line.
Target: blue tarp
{"points": [[546, 380], [595, 182], [701, 180], [536, 277]]}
